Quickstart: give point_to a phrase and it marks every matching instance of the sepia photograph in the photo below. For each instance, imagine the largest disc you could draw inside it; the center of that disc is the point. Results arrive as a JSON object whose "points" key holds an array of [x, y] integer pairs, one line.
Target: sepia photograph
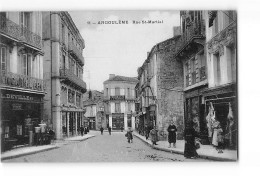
{"points": [[119, 86]]}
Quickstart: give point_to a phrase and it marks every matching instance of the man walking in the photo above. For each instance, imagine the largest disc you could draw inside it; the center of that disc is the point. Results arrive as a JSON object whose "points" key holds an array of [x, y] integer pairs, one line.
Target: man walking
{"points": [[101, 130], [82, 130], [109, 130]]}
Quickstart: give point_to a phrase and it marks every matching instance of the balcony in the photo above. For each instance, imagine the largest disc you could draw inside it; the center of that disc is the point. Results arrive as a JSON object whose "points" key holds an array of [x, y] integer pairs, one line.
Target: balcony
{"points": [[19, 33], [192, 40], [202, 71], [70, 77], [22, 81], [73, 50]]}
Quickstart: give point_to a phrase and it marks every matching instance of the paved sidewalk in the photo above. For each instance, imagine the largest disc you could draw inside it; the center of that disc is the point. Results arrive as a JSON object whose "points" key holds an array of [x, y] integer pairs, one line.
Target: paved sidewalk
{"points": [[27, 150], [205, 151]]}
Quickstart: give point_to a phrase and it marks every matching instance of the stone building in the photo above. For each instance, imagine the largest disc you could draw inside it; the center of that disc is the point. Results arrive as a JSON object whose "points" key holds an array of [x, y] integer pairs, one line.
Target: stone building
{"points": [[94, 117], [192, 55], [63, 70], [22, 86], [119, 101], [160, 94], [221, 52]]}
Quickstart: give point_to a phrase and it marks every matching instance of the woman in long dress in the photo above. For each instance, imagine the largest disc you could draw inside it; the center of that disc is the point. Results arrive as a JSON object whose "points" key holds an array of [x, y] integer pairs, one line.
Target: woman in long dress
{"points": [[172, 134], [190, 148]]}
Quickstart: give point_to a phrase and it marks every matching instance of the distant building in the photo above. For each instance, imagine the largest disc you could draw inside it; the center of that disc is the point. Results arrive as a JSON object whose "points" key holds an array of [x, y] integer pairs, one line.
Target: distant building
{"points": [[22, 87], [94, 116], [119, 101], [160, 89], [63, 70]]}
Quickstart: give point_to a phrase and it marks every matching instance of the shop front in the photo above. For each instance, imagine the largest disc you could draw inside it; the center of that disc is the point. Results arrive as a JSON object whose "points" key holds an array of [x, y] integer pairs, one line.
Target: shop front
{"points": [[223, 101], [194, 110], [21, 112], [117, 121], [71, 123], [92, 123]]}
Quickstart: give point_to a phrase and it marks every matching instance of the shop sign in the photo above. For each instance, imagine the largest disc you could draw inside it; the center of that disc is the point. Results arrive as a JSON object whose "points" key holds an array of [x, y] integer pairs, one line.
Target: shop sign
{"points": [[117, 97], [16, 106], [12, 96], [117, 115]]}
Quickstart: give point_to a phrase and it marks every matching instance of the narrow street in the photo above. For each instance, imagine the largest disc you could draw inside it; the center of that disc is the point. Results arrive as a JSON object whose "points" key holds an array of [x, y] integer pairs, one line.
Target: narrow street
{"points": [[103, 148]]}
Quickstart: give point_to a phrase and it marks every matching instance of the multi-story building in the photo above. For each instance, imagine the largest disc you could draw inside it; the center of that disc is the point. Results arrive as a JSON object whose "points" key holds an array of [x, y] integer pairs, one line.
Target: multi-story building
{"points": [[94, 117], [192, 55], [221, 52], [119, 101], [63, 70], [21, 75], [160, 88]]}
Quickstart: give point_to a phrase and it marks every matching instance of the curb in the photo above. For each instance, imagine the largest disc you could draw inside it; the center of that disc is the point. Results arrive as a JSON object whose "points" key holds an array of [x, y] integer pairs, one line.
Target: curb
{"points": [[182, 153], [80, 139], [28, 153]]}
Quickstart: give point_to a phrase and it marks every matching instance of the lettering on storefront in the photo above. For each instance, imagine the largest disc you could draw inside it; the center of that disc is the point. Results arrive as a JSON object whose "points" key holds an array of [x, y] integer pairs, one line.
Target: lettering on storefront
{"points": [[11, 96], [117, 97], [16, 106]]}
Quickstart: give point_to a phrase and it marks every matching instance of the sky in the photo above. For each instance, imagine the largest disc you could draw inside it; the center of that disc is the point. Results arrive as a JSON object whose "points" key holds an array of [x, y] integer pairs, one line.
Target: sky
{"points": [[119, 48]]}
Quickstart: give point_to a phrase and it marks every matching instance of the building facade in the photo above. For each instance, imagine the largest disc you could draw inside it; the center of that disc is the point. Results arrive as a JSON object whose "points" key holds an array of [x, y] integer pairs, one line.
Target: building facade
{"points": [[160, 89], [94, 117], [192, 55], [221, 52], [22, 87], [119, 101], [63, 70]]}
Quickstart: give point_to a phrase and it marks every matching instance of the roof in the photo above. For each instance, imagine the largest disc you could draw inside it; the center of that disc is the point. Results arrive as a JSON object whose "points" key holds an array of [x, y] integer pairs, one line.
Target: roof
{"points": [[122, 79]]}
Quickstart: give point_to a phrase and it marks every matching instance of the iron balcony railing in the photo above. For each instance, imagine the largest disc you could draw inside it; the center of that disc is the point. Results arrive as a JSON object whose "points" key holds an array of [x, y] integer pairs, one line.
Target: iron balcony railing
{"points": [[76, 52], [70, 76], [194, 30], [20, 33], [22, 81]]}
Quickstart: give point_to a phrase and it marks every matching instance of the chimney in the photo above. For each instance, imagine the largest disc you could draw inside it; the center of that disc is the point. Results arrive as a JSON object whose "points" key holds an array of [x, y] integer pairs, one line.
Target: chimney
{"points": [[176, 31], [111, 76]]}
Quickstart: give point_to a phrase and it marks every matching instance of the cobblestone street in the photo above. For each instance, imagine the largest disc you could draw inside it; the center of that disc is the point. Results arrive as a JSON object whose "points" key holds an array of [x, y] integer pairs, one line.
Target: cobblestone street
{"points": [[103, 148]]}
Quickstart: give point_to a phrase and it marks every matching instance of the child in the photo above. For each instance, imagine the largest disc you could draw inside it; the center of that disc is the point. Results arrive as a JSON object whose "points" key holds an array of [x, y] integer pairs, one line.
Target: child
{"points": [[154, 136], [220, 137]]}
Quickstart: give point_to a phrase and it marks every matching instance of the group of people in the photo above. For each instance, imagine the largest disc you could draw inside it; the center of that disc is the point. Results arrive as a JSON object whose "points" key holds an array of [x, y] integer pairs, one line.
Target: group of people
{"points": [[102, 130], [84, 130]]}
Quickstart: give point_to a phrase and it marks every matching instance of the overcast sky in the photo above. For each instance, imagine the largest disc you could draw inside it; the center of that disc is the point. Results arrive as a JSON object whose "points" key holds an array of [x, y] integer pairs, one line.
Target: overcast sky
{"points": [[119, 48]]}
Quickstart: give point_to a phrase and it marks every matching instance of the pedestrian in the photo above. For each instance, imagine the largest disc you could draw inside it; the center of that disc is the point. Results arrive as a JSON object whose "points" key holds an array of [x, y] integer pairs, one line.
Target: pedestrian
{"points": [[52, 135], [172, 134], [146, 131], [216, 124], [122, 128], [129, 135], [109, 130], [82, 130], [85, 130], [101, 130], [154, 135], [220, 139], [189, 135]]}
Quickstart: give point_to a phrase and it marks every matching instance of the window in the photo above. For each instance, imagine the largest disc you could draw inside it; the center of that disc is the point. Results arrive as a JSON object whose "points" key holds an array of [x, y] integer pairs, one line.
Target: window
{"points": [[129, 106], [63, 33], [117, 107], [128, 92], [3, 58], [202, 69], [217, 71], [26, 64], [117, 91], [193, 71], [25, 21], [107, 94]]}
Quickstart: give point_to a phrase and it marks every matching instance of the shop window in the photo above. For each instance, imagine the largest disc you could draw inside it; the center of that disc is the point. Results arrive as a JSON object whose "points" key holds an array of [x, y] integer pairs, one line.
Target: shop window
{"points": [[3, 58]]}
